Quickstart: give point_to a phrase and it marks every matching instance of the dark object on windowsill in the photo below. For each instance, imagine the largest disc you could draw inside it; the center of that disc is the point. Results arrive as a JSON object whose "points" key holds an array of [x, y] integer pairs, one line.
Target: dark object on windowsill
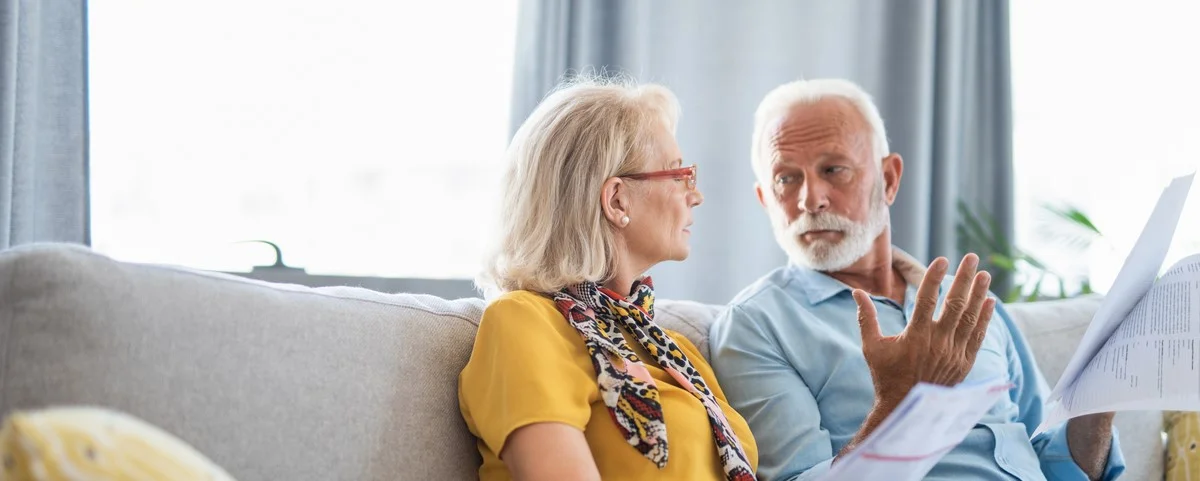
{"points": [[278, 266]]}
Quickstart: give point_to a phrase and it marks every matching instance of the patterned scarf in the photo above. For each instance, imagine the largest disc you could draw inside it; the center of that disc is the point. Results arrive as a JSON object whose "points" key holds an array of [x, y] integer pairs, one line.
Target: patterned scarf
{"points": [[628, 390]]}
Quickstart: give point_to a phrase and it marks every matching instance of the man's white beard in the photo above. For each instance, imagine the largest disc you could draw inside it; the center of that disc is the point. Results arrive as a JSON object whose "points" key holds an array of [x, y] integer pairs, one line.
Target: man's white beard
{"points": [[831, 256]]}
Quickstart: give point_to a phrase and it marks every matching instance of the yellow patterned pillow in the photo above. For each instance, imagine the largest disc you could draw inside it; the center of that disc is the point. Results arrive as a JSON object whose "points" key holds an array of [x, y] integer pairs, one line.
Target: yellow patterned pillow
{"points": [[1183, 441], [81, 443]]}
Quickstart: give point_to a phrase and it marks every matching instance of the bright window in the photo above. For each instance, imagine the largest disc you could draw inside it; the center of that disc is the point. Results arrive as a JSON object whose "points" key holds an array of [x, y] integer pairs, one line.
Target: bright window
{"points": [[364, 137], [1106, 112]]}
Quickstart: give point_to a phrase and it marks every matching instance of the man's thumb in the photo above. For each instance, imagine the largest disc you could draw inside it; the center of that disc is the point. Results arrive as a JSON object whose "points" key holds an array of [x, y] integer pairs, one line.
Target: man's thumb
{"points": [[868, 323]]}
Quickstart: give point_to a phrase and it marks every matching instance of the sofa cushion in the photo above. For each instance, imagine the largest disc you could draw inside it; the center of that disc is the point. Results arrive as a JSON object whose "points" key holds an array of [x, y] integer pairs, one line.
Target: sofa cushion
{"points": [[270, 381]]}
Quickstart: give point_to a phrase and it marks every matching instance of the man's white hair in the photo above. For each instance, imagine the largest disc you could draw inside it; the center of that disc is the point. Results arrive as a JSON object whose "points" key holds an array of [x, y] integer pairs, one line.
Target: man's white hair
{"points": [[805, 92]]}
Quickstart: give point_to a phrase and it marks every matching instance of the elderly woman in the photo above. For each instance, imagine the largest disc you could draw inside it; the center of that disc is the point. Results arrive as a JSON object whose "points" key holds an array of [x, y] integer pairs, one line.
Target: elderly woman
{"points": [[570, 377]]}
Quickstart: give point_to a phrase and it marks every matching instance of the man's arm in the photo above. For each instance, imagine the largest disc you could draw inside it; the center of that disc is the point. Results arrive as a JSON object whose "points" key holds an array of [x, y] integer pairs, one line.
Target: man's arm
{"points": [[879, 412], [1090, 440], [775, 401], [1085, 448]]}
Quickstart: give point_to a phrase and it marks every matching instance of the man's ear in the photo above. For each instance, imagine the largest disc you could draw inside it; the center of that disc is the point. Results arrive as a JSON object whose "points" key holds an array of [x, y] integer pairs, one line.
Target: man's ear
{"points": [[759, 193], [614, 201], [893, 169]]}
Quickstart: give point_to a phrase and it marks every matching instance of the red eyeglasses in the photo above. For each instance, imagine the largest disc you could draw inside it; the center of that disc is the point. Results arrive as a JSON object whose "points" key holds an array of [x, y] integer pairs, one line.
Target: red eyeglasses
{"points": [[686, 173]]}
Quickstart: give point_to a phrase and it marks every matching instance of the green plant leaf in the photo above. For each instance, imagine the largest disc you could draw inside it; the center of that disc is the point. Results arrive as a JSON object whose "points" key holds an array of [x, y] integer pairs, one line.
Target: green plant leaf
{"points": [[1068, 226], [1032, 261], [1076, 216], [998, 234], [1014, 294], [1003, 262], [975, 231], [1037, 289]]}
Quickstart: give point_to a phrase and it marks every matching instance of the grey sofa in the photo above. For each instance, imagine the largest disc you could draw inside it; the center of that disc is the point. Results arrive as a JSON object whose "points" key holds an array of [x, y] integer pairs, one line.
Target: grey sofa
{"points": [[284, 382]]}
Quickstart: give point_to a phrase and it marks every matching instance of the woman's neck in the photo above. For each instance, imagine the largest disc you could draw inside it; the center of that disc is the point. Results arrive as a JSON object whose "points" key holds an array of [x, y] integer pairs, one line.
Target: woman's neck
{"points": [[623, 276], [622, 284]]}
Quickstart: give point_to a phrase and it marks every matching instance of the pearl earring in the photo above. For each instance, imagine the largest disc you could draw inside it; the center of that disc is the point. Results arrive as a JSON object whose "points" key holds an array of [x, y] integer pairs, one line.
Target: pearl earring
{"points": [[624, 220]]}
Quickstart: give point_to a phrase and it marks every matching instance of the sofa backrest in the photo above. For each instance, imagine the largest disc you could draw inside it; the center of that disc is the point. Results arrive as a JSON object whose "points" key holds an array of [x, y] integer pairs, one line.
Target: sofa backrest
{"points": [[272, 382], [276, 381]]}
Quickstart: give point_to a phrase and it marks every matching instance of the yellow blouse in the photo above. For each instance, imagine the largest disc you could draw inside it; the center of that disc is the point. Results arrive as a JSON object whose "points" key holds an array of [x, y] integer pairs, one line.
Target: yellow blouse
{"points": [[530, 366]]}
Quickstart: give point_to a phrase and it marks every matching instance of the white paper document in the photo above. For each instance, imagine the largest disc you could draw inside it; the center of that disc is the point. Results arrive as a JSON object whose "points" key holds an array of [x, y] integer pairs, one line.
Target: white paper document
{"points": [[1142, 348], [928, 423]]}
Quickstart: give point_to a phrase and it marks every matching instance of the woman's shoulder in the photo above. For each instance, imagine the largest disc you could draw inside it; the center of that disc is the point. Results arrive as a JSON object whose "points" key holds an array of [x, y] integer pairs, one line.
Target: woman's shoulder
{"points": [[524, 303], [528, 312]]}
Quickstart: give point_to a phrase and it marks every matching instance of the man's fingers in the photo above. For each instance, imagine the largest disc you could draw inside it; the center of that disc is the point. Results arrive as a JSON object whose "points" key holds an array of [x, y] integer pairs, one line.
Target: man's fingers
{"points": [[956, 300], [981, 326], [927, 293], [973, 312], [868, 323]]}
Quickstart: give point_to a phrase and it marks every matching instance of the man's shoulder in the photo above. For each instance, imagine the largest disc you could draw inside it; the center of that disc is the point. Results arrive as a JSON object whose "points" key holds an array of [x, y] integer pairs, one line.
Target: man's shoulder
{"points": [[760, 303], [766, 289]]}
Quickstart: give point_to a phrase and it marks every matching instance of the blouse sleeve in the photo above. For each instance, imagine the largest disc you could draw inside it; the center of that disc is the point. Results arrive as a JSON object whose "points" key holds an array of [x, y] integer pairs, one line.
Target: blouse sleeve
{"points": [[528, 365]]}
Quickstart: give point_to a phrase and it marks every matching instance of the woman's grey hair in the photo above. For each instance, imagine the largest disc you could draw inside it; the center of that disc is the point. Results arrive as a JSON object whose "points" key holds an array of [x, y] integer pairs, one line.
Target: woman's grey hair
{"points": [[551, 230]]}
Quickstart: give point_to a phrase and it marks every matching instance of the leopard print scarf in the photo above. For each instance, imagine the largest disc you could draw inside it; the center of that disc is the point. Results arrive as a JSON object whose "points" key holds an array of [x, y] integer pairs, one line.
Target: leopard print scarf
{"points": [[627, 389]]}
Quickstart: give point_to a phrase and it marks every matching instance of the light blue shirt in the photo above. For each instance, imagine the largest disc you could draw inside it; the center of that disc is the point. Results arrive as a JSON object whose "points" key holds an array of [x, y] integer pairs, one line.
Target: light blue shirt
{"points": [[788, 354]]}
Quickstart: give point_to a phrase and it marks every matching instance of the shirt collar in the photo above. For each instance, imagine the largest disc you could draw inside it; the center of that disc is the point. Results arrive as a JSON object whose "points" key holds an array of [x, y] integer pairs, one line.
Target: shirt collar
{"points": [[818, 286]]}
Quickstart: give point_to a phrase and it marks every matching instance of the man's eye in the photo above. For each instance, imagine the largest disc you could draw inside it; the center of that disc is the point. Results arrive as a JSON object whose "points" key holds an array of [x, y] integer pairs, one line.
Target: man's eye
{"points": [[837, 169], [784, 179]]}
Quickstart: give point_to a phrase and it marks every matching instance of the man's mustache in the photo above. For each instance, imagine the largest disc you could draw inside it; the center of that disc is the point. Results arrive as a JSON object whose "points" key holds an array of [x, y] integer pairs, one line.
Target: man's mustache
{"points": [[824, 221]]}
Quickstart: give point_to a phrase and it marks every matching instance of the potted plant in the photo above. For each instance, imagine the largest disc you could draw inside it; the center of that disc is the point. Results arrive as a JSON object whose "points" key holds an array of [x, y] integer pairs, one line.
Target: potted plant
{"points": [[1022, 276]]}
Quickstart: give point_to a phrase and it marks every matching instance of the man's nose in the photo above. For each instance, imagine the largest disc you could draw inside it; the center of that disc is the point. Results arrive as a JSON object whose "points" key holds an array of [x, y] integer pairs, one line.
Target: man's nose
{"points": [[814, 197]]}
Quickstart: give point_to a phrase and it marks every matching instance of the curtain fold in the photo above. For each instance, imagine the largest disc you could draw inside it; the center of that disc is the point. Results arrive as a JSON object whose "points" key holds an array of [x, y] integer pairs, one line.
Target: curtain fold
{"points": [[43, 122]]}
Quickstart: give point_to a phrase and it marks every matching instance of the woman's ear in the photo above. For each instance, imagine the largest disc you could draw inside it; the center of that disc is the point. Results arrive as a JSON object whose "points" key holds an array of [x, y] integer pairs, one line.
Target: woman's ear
{"points": [[614, 201]]}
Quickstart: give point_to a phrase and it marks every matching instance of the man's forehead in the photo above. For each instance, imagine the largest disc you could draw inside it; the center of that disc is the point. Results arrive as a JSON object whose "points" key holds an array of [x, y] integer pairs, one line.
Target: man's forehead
{"points": [[811, 124], [774, 124], [834, 110]]}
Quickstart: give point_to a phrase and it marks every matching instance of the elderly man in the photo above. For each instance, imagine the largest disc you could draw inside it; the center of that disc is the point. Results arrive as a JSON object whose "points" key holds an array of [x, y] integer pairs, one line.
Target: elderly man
{"points": [[818, 352]]}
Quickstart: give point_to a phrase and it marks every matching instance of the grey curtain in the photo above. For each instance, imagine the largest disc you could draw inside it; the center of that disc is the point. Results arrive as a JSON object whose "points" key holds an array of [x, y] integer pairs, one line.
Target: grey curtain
{"points": [[43, 122], [939, 71]]}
